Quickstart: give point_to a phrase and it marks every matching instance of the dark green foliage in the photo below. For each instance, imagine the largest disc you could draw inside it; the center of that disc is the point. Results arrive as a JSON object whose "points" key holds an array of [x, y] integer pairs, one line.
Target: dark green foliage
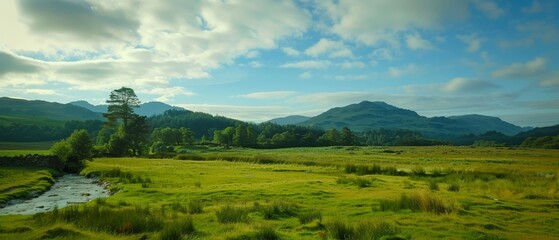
{"points": [[374, 169], [433, 186], [547, 142], [232, 214], [178, 229], [74, 150], [195, 207], [358, 181], [121, 103]]}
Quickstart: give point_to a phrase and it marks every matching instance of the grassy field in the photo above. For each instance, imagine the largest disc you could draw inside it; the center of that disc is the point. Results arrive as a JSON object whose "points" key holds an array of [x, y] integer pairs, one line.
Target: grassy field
{"points": [[315, 193], [23, 183], [23, 148]]}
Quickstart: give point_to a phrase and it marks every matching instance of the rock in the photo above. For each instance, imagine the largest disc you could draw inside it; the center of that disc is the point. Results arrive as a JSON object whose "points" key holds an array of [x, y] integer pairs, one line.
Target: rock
{"points": [[86, 194], [40, 207]]}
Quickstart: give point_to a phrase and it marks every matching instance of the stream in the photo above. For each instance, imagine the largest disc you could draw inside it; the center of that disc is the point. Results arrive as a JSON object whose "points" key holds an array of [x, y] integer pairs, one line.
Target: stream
{"points": [[67, 190]]}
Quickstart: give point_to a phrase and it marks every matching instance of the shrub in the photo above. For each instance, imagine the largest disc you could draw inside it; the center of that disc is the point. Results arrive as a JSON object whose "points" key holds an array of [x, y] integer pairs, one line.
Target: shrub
{"points": [[232, 214]]}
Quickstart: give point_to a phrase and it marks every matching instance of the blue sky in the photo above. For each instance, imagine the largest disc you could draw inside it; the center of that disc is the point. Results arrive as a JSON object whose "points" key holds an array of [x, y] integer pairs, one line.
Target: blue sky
{"points": [[257, 60]]}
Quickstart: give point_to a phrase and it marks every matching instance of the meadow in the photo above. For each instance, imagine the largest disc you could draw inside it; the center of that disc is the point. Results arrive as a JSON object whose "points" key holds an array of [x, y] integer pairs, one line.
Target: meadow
{"points": [[311, 193]]}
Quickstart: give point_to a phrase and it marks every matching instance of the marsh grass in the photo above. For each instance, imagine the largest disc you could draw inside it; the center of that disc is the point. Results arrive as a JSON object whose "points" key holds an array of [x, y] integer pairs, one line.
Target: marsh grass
{"points": [[453, 187], [363, 230], [433, 186], [357, 181], [262, 233], [309, 216], [279, 209], [373, 169], [178, 229], [232, 214], [195, 206], [419, 202], [97, 218]]}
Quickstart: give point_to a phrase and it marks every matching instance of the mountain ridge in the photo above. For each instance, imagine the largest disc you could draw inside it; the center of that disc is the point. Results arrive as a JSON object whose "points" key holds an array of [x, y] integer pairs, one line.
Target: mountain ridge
{"points": [[145, 109]]}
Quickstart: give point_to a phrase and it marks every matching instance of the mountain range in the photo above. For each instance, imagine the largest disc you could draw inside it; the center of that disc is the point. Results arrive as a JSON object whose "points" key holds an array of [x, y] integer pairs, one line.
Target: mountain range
{"points": [[368, 115], [145, 109], [358, 117]]}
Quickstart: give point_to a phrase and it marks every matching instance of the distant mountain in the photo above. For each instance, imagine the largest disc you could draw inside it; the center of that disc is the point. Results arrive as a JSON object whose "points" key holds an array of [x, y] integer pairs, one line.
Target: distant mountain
{"points": [[380, 115], [43, 109], [293, 119], [145, 109]]}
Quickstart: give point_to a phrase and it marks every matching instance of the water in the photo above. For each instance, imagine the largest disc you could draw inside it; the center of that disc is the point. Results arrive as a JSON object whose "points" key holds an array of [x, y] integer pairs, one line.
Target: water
{"points": [[68, 190]]}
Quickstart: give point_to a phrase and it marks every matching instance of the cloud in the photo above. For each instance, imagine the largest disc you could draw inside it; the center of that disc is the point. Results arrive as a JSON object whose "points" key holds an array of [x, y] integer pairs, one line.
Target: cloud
{"points": [[252, 54], [352, 64], [168, 93], [305, 75], [42, 92], [374, 22], [268, 95], [383, 53], [522, 70], [489, 8], [14, 64], [536, 7], [332, 49], [396, 72], [539, 30], [415, 42], [255, 64], [310, 64], [291, 52], [473, 42], [456, 85], [350, 77]]}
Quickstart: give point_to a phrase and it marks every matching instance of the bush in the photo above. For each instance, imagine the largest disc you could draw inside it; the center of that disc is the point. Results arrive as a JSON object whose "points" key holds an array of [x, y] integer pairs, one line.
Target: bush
{"points": [[232, 214]]}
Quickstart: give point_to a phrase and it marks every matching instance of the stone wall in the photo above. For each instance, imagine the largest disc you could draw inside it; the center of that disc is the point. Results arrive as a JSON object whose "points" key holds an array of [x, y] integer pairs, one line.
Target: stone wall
{"points": [[32, 160]]}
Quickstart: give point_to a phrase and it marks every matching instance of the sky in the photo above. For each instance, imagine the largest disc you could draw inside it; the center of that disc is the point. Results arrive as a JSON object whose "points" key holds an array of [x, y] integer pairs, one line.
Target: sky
{"points": [[258, 60]]}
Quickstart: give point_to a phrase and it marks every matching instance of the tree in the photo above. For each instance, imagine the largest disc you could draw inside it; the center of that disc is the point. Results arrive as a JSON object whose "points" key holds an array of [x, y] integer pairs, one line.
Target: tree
{"points": [[136, 134], [121, 103], [74, 149]]}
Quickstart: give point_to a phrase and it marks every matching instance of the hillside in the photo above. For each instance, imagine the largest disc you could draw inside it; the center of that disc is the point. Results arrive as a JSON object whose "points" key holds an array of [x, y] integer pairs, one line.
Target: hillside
{"points": [[293, 119], [367, 115], [145, 109], [42, 109], [202, 124]]}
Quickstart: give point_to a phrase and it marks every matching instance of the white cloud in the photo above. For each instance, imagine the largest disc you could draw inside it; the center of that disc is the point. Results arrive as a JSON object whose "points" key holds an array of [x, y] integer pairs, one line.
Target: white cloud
{"points": [[467, 85], [305, 75], [396, 72], [539, 30], [383, 53], [291, 52], [333, 49], [352, 64], [522, 70], [255, 64], [373, 22], [42, 92], [241, 112], [416, 42], [489, 8], [310, 64], [473, 42], [350, 77], [252, 54], [268, 95], [167, 94]]}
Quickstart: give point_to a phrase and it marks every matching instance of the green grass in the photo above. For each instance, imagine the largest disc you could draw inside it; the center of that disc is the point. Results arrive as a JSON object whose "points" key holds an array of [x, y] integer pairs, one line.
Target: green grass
{"points": [[306, 193], [17, 183]]}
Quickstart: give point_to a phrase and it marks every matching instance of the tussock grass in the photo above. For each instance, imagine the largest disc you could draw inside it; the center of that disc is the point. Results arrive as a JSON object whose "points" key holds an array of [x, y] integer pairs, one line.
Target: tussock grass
{"points": [[97, 218], [195, 206], [279, 209], [178, 229], [357, 181], [309, 216], [363, 230], [419, 202], [453, 187], [232, 214], [261, 233]]}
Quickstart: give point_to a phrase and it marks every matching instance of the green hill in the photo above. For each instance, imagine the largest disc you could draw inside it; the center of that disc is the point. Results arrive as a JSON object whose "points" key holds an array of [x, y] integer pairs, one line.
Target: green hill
{"points": [[367, 116], [293, 119], [145, 109], [45, 110]]}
